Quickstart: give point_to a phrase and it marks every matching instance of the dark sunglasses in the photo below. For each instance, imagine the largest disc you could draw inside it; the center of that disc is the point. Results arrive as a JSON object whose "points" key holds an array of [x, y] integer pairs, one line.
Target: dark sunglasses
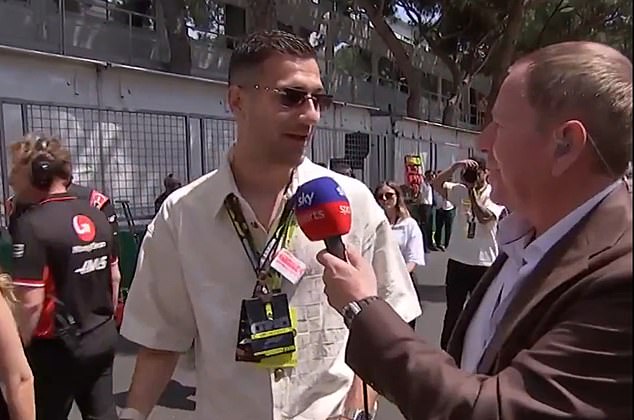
{"points": [[291, 97], [385, 196]]}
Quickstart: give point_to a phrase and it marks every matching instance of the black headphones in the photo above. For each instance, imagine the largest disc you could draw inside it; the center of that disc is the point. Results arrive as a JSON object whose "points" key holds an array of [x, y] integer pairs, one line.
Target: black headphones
{"points": [[43, 168]]}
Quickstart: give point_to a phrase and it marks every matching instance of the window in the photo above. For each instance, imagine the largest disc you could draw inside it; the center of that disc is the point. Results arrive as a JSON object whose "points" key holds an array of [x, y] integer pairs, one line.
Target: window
{"points": [[430, 83], [474, 98], [235, 24], [284, 27], [304, 33], [446, 88], [388, 73]]}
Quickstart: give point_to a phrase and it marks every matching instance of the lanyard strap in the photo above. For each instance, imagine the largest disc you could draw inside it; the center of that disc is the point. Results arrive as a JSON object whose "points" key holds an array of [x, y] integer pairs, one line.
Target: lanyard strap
{"points": [[260, 262]]}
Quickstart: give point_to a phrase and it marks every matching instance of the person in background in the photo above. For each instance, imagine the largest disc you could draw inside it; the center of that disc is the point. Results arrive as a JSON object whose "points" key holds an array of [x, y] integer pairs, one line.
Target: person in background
{"points": [[473, 247], [17, 205], [343, 168], [171, 184], [18, 402], [63, 281], [426, 210], [405, 228], [444, 220]]}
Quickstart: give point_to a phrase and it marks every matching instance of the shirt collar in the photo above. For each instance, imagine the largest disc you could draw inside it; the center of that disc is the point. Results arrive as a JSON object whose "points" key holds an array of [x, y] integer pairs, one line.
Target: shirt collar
{"points": [[57, 197], [226, 182], [515, 232]]}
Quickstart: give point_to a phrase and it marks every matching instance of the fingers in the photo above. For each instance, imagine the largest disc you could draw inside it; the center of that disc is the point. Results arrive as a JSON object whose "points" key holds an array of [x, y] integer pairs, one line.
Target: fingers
{"points": [[354, 257], [329, 261], [472, 164]]}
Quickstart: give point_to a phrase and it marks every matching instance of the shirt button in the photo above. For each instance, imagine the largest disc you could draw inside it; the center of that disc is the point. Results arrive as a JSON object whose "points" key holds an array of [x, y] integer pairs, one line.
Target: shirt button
{"points": [[278, 374], [254, 225]]}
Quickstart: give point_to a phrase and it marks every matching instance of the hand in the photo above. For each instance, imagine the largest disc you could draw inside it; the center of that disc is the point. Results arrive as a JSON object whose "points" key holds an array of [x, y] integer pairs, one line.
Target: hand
{"points": [[347, 281], [465, 164]]}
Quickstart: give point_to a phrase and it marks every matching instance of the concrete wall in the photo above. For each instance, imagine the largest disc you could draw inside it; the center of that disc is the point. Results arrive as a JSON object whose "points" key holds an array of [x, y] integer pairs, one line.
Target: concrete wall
{"points": [[90, 34]]}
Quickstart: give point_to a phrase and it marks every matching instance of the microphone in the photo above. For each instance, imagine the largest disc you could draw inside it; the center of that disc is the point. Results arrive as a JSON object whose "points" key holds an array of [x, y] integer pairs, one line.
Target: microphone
{"points": [[323, 213]]}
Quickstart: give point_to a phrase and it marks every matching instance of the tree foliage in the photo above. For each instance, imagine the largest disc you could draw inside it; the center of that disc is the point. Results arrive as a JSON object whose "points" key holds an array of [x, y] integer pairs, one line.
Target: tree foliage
{"points": [[485, 36], [606, 21]]}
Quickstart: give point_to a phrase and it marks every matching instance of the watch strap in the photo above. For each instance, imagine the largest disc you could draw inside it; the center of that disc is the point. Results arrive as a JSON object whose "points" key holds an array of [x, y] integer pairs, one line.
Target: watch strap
{"points": [[354, 308]]}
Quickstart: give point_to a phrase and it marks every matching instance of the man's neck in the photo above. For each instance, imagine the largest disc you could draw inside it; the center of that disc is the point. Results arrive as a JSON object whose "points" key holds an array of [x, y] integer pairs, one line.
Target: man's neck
{"points": [[565, 202], [260, 183], [253, 174]]}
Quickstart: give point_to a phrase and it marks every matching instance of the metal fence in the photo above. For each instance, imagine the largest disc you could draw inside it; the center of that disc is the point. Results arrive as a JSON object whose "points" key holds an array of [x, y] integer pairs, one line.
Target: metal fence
{"points": [[127, 154]]}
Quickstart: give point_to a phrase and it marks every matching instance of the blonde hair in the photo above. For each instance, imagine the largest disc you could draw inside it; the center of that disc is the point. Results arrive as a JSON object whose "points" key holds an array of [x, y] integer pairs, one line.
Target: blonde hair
{"points": [[6, 289], [589, 82]]}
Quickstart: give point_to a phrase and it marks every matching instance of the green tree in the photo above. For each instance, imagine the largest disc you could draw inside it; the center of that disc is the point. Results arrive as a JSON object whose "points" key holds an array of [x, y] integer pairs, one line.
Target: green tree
{"points": [[464, 34], [180, 14], [377, 10], [548, 22]]}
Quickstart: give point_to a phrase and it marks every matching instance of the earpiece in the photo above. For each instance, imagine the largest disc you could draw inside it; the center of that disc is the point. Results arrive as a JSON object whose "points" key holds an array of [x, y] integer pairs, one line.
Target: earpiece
{"points": [[562, 147]]}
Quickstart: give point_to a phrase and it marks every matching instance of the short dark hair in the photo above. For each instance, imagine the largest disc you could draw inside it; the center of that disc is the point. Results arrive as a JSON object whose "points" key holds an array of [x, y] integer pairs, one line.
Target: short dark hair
{"points": [[259, 46]]}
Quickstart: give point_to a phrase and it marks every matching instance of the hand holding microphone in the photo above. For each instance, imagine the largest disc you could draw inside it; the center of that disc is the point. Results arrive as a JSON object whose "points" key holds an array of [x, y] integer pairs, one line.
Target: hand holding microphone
{"points": [[323, 213]]}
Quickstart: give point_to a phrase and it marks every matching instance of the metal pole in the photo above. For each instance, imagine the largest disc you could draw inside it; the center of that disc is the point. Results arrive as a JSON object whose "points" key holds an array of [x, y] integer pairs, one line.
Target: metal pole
{"points": [[62, 25], [130, 38]]}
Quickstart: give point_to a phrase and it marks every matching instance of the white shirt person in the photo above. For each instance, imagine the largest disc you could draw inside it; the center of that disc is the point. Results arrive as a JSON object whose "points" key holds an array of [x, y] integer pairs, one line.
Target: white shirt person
{"points": [[193, 272], [405, 228]]}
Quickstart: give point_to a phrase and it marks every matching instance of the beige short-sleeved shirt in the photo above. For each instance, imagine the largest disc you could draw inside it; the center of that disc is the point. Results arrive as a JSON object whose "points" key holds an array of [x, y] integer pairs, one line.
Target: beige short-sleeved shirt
{"points": [[193, 273]]}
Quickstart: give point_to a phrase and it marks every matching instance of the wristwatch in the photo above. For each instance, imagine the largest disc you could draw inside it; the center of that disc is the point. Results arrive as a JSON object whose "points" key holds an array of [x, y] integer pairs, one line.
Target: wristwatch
{"points": [[357, 414], [131, 414], [352, 309]]}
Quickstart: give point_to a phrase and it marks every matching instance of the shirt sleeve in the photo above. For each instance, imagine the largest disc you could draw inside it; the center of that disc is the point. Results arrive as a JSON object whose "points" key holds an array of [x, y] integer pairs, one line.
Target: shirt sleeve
{"points": [[394, 282], [111, 214], [29, 255], [494, 208], [414, 248], [455, 192], [158, 313]]}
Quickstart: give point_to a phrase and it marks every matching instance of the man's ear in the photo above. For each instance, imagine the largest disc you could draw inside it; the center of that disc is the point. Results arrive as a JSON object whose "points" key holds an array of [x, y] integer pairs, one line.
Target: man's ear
{"points": [[235, 99], [569, 143]]}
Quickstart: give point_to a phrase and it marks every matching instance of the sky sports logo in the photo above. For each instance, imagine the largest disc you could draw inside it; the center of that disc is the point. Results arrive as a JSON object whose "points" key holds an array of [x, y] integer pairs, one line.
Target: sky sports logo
{"points": [[317, 214], [319, 192], [305, 199]]}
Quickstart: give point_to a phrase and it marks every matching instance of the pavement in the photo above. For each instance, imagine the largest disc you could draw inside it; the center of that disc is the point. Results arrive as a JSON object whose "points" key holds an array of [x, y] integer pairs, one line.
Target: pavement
{"points": [[178, 400]]}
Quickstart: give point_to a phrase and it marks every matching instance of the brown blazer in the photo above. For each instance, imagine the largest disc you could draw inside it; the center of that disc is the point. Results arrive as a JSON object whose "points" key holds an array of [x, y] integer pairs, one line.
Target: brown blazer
{"points": [[563, 350]]}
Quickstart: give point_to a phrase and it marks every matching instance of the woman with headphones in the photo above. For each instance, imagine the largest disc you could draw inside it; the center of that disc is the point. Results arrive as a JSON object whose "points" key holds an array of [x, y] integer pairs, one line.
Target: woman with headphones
{"points": [[62, 279]]}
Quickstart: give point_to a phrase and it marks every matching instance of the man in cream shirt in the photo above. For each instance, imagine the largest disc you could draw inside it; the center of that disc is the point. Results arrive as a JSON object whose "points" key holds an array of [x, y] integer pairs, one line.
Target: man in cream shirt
{"points": [[193, 272]]}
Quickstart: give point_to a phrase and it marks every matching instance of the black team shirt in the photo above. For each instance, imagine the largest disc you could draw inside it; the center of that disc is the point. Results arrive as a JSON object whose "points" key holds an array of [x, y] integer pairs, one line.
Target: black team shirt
{"points": [[64, 245]]}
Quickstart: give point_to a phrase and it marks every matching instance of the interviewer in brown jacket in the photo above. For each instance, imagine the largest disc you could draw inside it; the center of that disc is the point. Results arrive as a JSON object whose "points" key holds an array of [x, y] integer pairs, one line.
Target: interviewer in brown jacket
{"points": [[547, 333]]}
